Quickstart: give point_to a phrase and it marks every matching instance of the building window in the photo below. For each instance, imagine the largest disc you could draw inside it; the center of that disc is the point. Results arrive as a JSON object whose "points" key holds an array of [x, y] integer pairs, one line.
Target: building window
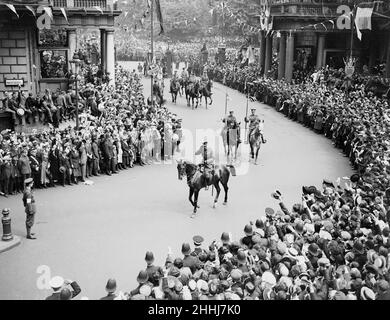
{"points": [[54, 63], [52, 38]]}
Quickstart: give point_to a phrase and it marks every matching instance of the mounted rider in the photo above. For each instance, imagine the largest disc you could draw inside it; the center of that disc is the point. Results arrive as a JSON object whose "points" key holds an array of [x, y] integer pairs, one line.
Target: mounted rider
{"points": [[184, 74], [175, 78], [230, 120], [207, 165], [254, 122], [204, 79], [192, 78]]}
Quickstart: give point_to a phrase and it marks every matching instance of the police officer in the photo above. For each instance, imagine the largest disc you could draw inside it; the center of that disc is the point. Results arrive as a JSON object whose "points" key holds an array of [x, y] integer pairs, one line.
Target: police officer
{"points": [[29, 205]]}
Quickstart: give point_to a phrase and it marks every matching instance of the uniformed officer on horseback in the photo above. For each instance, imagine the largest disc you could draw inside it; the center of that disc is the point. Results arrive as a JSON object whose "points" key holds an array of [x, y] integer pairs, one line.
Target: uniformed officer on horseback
{"points": [[254, 121], [230, 120], [208, 159], [184, 74], [205, 78]]}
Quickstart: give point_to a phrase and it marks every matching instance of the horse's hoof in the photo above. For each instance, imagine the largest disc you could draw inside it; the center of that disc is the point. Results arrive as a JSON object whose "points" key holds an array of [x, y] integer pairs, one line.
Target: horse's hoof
{"points": [[192, 216], [225, 203], [198, 207]]}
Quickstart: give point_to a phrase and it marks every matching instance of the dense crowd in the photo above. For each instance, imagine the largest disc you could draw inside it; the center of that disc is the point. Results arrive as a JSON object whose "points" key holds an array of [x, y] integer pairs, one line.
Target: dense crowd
{"points": [[117, 129], [334, 244]]}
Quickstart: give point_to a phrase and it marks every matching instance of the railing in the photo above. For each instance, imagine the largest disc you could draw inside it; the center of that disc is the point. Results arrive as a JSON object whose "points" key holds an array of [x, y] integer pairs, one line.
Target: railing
{"points": [[304, 9], [103, 4], [307, 8]]}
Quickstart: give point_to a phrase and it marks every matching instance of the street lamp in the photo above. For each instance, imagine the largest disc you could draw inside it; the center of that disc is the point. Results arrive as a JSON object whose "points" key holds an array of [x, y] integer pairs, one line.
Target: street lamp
{"points": [[75, 62]]}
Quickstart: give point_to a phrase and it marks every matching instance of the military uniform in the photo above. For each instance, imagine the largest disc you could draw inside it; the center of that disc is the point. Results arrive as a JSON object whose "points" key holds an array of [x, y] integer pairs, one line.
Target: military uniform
{"points": [[230, 121], [253, 120], [30, 208]]}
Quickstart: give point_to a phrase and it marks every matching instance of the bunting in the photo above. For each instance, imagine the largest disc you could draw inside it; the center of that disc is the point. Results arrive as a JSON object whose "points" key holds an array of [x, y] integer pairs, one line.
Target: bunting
{"points": [[12, 8], [64, 14], [31, 9]]}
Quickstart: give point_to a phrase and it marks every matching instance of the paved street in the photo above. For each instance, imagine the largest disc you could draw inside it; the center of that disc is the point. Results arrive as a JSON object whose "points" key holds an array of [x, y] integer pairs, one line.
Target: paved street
{"points": [[91, 233]]}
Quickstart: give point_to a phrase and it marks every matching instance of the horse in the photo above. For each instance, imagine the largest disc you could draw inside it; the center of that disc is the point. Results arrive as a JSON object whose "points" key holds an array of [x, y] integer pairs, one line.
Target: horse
{"points": [[196, 181], [183, 84], [231, 139], [255, 141], [192, 93], [205, 91], [174, 89]]}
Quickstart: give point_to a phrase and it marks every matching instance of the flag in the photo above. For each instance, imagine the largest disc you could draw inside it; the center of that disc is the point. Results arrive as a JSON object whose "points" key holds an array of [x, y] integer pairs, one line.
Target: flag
{"points": [[250, 55], [31, 10], [228, 97], [363, 20], [149, 2], [48, 12], [64, 14], [12, 8], [98, 9], [159, 16]]}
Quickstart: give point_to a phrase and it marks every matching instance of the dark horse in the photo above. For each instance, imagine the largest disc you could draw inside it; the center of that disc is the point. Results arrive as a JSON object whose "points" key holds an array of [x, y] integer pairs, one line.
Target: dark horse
{"points": [[205, 91], [192, 93], [174, 89], [197, 180], [255, 141]]}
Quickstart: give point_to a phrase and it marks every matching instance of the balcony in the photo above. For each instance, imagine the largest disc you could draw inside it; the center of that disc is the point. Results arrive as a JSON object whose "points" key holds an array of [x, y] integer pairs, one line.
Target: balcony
{"points": [[319, 8], [304, 8], [105, 5]]}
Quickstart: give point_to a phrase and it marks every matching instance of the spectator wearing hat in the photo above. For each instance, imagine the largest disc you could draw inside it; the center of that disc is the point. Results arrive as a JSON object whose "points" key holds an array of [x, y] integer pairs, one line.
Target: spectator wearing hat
{"points": [[198, 240], [110, 288], [247, 240], [155, 273], [58, 284], [189, 260], [142, 279]]}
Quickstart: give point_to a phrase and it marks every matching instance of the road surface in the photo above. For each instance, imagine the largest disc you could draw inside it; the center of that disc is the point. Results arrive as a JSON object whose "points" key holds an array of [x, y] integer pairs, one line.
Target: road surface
{"points": [[92, 233]]}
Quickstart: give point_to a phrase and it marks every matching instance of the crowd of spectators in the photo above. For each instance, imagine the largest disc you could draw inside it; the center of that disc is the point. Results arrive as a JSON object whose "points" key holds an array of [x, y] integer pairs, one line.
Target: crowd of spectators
{"points": [[334, 243], [117, 129]]}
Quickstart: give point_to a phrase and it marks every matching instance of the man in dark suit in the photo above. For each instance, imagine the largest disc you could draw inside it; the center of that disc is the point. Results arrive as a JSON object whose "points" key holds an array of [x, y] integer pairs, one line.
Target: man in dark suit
{"points": [[35, 167], [64, 168], [108, 153], [57, 283]]}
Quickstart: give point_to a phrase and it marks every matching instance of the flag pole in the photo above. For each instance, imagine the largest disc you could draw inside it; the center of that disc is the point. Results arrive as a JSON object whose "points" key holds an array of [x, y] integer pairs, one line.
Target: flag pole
{"points": [[151, 47], [246, 112], [226, 103]]}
